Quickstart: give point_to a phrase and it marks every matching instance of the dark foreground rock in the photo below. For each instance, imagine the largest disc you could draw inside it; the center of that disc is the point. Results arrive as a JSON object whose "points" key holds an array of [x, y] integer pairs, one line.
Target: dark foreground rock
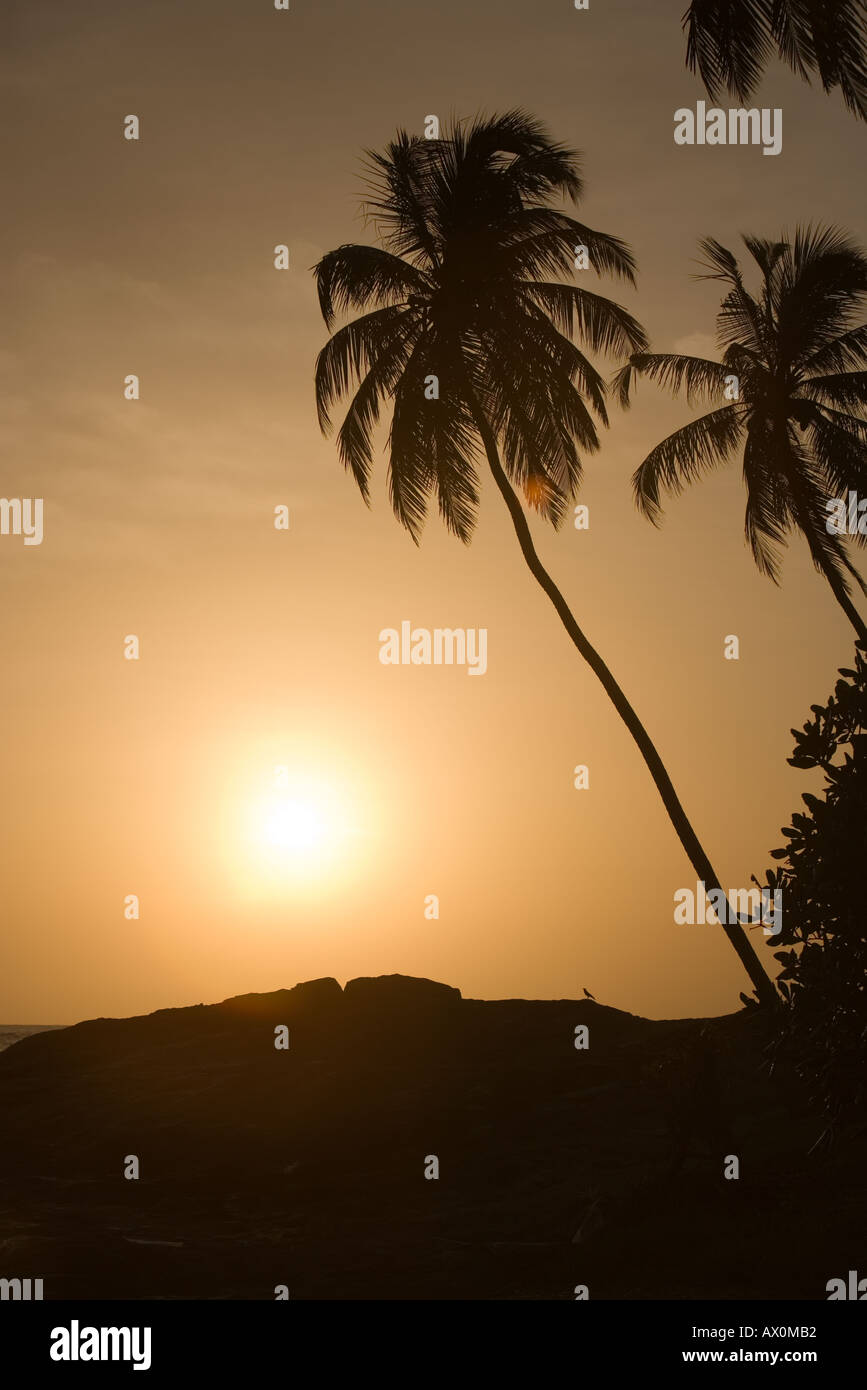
{"points": [[263, 1166]]}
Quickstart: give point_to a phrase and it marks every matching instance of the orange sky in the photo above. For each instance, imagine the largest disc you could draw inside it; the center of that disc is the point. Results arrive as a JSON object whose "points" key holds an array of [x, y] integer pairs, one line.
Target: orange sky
{"points": [[261, 647]]}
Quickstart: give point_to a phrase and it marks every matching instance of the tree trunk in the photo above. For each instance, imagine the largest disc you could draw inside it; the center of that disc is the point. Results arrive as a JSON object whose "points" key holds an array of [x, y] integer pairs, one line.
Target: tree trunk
{"points": [[839, 590], [763, 985]]}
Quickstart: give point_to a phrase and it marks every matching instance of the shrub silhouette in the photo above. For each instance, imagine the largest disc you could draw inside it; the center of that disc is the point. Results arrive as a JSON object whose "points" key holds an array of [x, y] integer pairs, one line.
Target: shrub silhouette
{"points": [[824, 963]]}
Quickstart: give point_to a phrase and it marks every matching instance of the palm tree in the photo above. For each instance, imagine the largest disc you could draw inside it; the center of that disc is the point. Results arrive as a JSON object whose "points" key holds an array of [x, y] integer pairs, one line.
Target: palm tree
{"points": [[792, 368], [471, 339], [729, 43]]}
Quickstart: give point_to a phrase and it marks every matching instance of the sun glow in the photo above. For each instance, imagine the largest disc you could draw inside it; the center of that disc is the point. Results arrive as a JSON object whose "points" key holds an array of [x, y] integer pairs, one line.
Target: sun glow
{"points": [[298, 832], [294, 826]]}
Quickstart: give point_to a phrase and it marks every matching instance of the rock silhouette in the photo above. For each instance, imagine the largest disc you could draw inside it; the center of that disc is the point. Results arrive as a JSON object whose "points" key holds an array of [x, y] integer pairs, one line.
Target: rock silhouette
{"points": [[305, 1166]]}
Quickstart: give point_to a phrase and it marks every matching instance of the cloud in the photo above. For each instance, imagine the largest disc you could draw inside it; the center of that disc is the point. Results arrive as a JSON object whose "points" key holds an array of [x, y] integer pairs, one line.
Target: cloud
{"points": [[697, 345]]}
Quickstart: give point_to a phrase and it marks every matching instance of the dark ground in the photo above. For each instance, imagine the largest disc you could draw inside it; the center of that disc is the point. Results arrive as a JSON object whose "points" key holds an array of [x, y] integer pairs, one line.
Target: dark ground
{"points": [[305, 1167]]}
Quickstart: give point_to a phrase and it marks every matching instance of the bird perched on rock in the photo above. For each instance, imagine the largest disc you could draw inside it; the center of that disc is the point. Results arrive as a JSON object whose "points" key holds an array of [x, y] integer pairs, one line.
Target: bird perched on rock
{"points": [[590, 996]]}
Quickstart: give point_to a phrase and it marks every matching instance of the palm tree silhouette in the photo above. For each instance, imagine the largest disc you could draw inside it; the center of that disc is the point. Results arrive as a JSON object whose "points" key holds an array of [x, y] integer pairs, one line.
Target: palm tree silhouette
{"points": [[729, 43], [793, 369], [471, 340]]}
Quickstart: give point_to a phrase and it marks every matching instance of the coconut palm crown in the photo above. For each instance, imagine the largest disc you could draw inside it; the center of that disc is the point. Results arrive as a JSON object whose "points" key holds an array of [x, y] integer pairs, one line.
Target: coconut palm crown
{"points": [[792, 369], [465, 314]]}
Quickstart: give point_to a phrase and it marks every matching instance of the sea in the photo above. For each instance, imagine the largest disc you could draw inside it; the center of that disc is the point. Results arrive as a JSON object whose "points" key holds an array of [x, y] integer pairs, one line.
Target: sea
{"points": [[13, 1032]]}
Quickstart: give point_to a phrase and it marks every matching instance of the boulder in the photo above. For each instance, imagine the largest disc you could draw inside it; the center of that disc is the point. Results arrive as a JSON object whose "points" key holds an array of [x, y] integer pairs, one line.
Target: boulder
{"points": [[390, 994]]}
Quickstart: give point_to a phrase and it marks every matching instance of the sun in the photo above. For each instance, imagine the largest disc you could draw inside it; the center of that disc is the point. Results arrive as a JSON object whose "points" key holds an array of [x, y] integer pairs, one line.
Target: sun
{"points": [[294, 826], [299, 831]]}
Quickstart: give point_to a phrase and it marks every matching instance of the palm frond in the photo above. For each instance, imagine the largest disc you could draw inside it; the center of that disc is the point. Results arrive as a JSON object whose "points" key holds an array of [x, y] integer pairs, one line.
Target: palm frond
{"points": [[537, 167], [543, 241], [765, 253], [684, 456], [768, 518], [411, 473], [700, 378], [351, 352], [399, 203], [822, 278], [827, 550], [561, 361], [536, 411], [603, 325], [740, 318], [354, 443], [849, 350], [351, 277], [728, 43], [838, 443], [839, 389], [830, 39]]}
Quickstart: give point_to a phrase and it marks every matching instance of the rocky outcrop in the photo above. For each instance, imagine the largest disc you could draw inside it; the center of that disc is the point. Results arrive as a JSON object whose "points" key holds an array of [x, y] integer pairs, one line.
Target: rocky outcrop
{"points": [[310, 1165]]}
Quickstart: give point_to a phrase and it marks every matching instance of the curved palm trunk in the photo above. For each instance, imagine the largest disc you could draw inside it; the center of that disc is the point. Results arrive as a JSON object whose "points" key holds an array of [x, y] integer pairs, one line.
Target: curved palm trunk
{"points": [[763, 985], [840, 594]]}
